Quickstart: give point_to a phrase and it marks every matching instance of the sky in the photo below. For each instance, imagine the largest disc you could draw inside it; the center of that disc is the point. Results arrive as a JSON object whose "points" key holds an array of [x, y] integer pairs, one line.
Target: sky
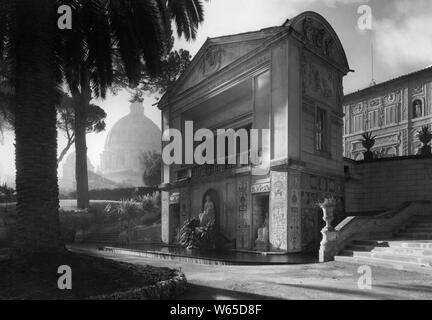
{"points": [[401, 34]]}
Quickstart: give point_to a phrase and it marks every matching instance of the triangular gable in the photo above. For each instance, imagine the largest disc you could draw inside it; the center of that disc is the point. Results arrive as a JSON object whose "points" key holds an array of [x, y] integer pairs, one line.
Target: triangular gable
{"points": [[217, 53]]}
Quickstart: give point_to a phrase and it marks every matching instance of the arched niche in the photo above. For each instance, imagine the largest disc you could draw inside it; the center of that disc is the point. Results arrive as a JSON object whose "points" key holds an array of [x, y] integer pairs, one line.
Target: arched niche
{"points": [[214, 196]]}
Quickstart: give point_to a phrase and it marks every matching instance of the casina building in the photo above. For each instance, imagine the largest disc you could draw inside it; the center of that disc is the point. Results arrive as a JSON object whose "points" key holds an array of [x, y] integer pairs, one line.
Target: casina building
{"points": [[287, 79]]}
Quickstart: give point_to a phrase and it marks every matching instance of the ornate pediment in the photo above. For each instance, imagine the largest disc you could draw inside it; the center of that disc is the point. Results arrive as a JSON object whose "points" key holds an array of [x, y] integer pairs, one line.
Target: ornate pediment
{"points": [[217, 53], [319, 37], [211, 61]]}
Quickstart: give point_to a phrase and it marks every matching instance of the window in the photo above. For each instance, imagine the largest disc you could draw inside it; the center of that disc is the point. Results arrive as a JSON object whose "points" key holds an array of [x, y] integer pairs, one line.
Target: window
{"points": [[390, 115], [321, 130], [373, 119], [358, 123]]}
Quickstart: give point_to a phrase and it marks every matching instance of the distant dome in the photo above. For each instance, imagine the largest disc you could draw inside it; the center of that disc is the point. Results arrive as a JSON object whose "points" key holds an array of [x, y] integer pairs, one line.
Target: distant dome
{"points": [[128, 139]]}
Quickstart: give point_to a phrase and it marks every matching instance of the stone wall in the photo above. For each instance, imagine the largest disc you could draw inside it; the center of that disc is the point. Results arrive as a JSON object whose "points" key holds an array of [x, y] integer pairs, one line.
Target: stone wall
{"points": [[386, 184]]}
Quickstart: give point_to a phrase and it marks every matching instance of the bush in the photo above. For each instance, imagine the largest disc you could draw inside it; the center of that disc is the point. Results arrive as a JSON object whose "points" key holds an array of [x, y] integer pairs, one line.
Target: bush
{"points": [[150, 202], [194, 236], [7, 194], [116, 194], [126, 210]]}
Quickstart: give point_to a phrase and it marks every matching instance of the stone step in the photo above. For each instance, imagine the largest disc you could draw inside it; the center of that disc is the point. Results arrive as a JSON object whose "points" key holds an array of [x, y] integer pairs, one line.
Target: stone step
{"points": [[414, 229], [403, 266], [411, 244], [372, 243], [404, 251], [393, 249], [357, 247], [414, 259], [413, 235]]}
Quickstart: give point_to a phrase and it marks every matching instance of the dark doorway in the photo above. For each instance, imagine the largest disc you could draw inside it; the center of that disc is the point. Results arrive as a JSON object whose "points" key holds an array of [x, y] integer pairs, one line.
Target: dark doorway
{"points": [[260, 215]]}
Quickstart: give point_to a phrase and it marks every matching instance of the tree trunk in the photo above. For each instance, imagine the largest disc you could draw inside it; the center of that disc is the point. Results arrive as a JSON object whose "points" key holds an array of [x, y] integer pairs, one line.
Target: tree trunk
{"points": [[37, 230], [82, 102]]}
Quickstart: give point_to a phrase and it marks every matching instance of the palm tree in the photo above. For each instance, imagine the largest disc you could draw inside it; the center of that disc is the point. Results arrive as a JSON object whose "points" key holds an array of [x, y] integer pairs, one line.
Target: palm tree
{"points": [[40, 58], [92, 57], [27, 44]]}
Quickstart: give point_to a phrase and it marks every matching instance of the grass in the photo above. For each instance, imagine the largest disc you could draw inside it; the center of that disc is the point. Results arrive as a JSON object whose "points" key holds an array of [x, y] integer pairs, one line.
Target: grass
{"points": [[37, 278]]}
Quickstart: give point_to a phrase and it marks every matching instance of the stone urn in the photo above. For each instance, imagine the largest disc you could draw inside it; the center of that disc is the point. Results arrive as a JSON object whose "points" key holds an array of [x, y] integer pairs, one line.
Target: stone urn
{"points": [[425, 137], [328, 206]]}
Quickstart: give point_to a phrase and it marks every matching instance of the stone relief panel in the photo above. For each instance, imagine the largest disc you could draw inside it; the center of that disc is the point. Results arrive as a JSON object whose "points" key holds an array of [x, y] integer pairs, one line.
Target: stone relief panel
{"points": [[294, 213], [244, 215], [211, 61], [318, 39], [278, 210], [318, 81], [261, 188]]}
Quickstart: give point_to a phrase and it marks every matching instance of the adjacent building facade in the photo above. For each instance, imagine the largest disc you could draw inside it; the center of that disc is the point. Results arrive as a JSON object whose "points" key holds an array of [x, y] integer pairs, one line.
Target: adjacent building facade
{"points": [[394, 111], [288, 80]]}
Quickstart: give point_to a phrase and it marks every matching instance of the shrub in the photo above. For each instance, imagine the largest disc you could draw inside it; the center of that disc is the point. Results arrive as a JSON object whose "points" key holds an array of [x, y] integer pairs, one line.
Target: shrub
{"points": [[7, 194], [116, 194], [126, 210], [194, 236], [150, 202]]}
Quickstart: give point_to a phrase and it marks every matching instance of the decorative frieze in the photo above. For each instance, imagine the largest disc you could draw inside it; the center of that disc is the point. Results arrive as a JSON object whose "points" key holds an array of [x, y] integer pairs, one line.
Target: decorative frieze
{"points": [[318, 39], [278, 210], [261, 188]]}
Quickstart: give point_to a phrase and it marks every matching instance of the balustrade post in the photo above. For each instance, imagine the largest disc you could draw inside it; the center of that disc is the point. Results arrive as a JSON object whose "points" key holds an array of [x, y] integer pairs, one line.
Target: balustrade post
{"points": [[328, 245]]}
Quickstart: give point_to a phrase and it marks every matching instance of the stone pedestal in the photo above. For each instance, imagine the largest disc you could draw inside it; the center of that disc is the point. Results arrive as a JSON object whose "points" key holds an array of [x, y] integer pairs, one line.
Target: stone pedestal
{"points": [[328, 245], [261, 246]]}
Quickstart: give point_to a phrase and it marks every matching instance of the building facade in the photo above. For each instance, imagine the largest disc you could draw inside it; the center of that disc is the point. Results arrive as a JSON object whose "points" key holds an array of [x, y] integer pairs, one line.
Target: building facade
{"points": [[288, 80], [394, 111]]}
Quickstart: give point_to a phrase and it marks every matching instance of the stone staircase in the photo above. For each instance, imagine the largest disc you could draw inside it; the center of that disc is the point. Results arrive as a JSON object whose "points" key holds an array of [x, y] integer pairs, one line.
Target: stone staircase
{"points": [[410, 249]]}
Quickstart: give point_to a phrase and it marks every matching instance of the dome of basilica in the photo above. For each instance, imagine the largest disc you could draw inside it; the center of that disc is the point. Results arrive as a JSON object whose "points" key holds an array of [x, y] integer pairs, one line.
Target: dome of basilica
{"points": [[128, 139]]}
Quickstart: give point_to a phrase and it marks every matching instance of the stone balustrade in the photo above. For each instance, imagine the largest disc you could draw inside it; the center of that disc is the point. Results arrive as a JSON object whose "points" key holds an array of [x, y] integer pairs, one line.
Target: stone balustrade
{"points": [[379, 227]]}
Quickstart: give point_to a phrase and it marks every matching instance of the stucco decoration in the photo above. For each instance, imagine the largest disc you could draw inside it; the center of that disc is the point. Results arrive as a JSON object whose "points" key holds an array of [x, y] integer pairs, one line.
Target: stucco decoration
{"points": [[211, 61], [278, 210], [318, 81], [319, 36], [243, 221]]}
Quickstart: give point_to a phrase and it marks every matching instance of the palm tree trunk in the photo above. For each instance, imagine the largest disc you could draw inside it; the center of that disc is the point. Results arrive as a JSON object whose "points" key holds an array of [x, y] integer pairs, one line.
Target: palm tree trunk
{"points": [[82, 102], [37, 229]]}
